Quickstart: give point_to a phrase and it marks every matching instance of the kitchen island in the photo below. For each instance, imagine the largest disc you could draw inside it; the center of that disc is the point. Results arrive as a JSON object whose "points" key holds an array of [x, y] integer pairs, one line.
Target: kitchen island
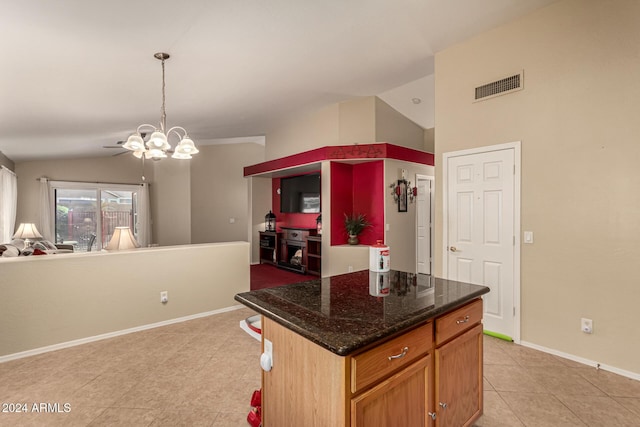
{"points": [[371, 349]]}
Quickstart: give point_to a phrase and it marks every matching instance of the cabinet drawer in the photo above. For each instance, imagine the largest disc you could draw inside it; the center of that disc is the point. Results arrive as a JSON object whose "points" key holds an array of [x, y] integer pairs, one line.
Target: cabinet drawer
{"points": [[458, 321], [377, 363]]}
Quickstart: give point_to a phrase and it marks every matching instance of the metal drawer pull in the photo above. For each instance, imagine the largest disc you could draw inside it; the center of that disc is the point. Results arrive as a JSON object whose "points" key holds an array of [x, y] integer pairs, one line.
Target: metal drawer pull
{"points": [[465, 320], [398, 356]]}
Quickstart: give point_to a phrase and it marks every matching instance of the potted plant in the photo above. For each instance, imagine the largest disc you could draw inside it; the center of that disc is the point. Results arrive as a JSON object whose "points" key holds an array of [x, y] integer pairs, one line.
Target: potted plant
{"points": [[354, 224]]}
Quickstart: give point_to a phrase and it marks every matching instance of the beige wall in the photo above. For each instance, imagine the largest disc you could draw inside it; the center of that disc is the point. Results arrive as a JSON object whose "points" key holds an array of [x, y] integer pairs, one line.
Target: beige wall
{"points": [[357, 121], [362, 120], [393, 127], [124, 169], [304, 133], [429, 140], [171, 202], [577, 118], [56, 299], [219, 192], [401, 234]]}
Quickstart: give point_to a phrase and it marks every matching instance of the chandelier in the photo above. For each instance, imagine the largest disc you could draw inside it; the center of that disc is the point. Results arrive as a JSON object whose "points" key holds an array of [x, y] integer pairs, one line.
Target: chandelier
{"points": [[158, 146]]}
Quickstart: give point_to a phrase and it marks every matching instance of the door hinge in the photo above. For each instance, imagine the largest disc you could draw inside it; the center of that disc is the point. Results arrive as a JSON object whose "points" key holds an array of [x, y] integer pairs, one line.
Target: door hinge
{"points": [[514, 312], [514, 240]]}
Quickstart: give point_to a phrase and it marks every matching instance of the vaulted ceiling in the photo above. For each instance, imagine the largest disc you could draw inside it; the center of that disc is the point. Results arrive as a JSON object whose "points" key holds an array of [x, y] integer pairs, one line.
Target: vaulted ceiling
{"points": [[76, 75]]}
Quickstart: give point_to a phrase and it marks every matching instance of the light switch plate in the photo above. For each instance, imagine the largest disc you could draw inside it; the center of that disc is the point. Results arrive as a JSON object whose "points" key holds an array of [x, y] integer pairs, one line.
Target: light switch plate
{"points": [[528, 236]]}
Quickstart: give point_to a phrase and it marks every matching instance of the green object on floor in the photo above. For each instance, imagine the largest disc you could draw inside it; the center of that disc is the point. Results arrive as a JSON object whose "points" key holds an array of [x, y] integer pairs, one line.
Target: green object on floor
{"points": [[498, 335]]}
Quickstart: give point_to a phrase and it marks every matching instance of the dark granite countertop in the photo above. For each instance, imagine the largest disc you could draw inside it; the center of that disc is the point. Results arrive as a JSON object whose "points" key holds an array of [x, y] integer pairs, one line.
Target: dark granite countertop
{"points": [[347, 312]]}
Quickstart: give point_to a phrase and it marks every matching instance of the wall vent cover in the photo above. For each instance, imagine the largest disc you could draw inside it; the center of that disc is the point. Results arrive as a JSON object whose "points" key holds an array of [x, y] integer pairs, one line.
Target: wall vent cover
{"points": [[500, 87]]}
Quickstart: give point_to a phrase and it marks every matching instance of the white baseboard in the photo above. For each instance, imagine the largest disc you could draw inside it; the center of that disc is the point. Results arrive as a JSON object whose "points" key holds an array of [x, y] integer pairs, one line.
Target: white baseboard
{"points": [[81, 341], [588, 362]]}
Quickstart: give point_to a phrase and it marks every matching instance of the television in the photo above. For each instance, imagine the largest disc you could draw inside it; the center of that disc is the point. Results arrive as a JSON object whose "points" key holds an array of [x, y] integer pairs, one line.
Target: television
{"points": [[300, 194]]}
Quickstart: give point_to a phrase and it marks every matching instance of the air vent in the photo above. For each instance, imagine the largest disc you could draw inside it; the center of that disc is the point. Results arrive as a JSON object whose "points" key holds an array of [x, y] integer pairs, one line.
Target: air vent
{"points": [[500, 87]]}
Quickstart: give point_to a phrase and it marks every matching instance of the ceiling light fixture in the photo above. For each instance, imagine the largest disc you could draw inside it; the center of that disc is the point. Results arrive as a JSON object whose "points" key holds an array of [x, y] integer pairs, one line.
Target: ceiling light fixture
{"points": [[158, 146]]}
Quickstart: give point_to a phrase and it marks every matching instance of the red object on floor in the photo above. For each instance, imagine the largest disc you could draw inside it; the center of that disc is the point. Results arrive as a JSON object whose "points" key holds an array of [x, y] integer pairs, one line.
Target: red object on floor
{"points": [[256, 398], [255, 415], [254, 418], [267, 276]]}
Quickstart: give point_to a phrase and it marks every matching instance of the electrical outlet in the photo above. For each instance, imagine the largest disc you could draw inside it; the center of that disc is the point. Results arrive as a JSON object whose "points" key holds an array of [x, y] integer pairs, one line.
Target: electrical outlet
{"points": [[350, 269], [164, 297], [586, 325]]}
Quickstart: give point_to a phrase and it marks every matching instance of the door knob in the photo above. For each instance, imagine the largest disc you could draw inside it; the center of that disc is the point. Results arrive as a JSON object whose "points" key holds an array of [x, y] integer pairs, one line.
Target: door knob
{"points": [[453, 249]]}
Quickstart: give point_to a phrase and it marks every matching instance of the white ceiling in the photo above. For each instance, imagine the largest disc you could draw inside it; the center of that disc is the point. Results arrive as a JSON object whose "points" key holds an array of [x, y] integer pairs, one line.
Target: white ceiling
{"points": [[76, 75]]}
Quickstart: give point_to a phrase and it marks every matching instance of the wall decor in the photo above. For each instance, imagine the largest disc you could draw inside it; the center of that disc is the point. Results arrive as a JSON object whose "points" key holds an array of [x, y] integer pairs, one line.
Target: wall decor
{"points": [[402, 196], [403, 193]]}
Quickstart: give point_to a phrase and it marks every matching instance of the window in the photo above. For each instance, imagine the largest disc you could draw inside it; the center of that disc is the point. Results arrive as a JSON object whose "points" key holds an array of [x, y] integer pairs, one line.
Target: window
{"points": [[86, 214]]}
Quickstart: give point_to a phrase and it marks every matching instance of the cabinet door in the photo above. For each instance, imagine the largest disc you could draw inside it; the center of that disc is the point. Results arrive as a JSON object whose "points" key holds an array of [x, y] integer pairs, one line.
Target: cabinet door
{"points": [[459, 380], [401, 400]]}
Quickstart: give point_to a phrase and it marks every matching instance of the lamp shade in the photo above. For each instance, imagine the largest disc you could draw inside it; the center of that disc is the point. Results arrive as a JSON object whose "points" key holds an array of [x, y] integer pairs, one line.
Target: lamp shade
{"points": [[186, 145], [158, 140], [122, 239], [134, 143], [27, 231]]}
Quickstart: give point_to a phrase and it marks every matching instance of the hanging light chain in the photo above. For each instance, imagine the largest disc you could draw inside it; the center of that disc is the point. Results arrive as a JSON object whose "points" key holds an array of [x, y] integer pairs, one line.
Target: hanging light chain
{"points": [[163, 112]]}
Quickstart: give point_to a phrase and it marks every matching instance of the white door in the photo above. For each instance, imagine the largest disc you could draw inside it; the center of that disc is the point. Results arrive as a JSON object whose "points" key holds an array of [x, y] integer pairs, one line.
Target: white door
{"points": [[424, 223], [481, 230]]}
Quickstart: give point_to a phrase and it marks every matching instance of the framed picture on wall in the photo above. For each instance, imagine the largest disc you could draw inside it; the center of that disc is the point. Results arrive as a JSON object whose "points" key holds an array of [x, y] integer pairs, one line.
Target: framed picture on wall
{"points": [[402, 196]]}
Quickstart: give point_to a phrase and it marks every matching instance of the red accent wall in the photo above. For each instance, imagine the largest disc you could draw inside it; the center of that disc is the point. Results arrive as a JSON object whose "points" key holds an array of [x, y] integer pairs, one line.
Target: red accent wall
{"points": [[302, 220], [341, 200], [368, 198], [357, 188]]}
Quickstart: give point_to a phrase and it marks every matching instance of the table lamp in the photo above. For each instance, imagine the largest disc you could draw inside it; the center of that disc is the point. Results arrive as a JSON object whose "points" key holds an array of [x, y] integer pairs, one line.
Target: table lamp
{"points": [[27, 232], [122, 239]]}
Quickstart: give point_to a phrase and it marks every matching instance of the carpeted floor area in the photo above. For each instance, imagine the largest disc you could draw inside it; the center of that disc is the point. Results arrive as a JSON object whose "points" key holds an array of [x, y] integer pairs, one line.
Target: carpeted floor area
{"points": [[267, 276]]}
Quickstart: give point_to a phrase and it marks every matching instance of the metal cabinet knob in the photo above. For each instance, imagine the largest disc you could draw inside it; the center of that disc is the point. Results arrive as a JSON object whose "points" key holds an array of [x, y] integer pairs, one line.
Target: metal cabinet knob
{"points": [[432, 415], [444, 405], [453, 249]]}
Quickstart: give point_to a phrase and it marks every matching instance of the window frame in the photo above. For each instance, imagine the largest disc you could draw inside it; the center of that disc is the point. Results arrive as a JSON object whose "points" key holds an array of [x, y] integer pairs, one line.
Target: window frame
{"points": [[98, 187]]}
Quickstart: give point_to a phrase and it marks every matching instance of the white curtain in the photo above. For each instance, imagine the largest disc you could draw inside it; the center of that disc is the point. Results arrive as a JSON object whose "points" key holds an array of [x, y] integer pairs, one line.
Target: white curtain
{"points": [[144, 216], [46, 209], [8, 203]]}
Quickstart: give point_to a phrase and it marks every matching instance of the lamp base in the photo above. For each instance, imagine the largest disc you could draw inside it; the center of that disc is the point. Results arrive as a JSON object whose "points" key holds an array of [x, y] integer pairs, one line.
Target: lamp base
{"points": [[27, 244]]}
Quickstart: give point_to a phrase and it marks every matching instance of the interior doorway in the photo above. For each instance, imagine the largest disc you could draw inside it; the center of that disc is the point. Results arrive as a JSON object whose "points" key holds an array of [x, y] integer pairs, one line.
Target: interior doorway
{"points": [[481, 229]]}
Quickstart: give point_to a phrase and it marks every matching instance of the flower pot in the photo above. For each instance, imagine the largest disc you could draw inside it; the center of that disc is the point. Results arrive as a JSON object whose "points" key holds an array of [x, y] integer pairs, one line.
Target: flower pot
{"points": [[353, 239]]}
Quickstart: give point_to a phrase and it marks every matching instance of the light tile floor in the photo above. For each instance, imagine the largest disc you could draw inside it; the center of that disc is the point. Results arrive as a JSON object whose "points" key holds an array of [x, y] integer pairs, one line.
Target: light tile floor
{"points": [[202, 373], [526, 387]]}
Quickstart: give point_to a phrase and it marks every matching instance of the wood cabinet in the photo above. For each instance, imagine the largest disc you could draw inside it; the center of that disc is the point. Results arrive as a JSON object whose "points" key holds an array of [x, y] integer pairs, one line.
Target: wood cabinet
{"points": [[412, 379], [313, 258], [407, 391], [269, 241], [458, 366]]}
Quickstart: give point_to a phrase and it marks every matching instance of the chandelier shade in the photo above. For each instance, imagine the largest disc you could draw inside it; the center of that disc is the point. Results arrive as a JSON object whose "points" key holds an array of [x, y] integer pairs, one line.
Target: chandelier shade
{"points": [[157, 146]]}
